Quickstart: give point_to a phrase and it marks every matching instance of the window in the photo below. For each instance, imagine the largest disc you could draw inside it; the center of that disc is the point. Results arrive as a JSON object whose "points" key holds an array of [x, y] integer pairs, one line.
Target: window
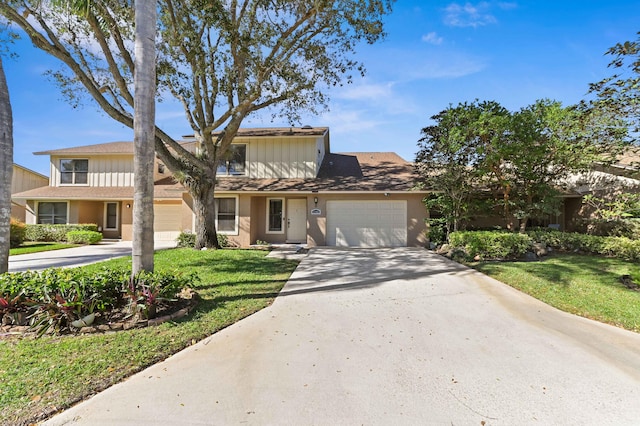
{"points": [[52, 213], [74, 172], [234, 161], [275, 215], [226, 215], [111, 216]]}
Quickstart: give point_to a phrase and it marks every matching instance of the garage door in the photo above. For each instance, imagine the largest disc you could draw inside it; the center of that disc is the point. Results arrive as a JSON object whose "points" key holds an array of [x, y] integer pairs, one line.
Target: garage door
{"points": [[166, 221], [367, 223]]}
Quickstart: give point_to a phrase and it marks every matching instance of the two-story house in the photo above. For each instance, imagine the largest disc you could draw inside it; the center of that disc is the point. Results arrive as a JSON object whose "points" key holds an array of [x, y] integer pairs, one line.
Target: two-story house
{"points": [[276, 185]]}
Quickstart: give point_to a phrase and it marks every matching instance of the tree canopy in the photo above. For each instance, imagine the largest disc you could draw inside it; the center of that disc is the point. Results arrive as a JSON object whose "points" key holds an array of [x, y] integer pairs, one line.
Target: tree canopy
{"points": [[481, 151], [223, 60]]}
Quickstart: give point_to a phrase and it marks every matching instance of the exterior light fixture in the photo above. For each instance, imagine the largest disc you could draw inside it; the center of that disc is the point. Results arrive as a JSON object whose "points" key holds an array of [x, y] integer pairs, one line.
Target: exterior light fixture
{"points": [[128, 205], [315, 200]]}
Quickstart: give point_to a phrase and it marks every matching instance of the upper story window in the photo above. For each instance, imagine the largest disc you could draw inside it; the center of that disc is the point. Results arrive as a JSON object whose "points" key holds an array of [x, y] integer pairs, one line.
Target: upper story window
{"points": [[234, 161], [74, 172]]}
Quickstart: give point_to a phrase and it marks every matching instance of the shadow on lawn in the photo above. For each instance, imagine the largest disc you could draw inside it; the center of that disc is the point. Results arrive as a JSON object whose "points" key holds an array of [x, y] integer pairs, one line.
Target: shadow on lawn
{"points": [[558, 268]]}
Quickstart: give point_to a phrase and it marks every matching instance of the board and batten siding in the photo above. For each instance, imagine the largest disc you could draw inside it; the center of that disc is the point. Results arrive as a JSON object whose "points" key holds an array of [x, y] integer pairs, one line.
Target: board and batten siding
{"points": [[104, 170], [25, 179], [282, 157]]}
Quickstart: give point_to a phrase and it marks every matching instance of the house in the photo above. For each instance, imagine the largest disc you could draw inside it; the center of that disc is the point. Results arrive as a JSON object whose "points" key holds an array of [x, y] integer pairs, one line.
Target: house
{"points": [[278, 185], [24, 179]]}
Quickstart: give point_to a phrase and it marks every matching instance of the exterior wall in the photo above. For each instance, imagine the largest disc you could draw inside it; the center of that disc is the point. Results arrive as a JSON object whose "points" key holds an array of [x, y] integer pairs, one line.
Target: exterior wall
{"points": [[104, 170], [126, 220], [317, 224], [22, 180], [292, 157]]}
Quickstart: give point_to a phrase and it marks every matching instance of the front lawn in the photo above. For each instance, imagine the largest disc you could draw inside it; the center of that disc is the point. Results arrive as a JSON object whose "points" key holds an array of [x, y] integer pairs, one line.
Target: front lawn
{"points": [[35, 247], [40, 376], [584, 285]]}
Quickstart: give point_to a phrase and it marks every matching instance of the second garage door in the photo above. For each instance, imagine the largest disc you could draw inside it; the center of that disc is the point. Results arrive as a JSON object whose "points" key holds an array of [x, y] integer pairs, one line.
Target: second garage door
{"points": [[166, 221], [367, 223]]}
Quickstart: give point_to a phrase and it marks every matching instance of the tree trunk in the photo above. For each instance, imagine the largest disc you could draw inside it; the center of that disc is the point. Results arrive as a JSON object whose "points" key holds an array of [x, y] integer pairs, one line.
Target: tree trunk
{"points": [[6, 170], [205, 212], [144, 135]]}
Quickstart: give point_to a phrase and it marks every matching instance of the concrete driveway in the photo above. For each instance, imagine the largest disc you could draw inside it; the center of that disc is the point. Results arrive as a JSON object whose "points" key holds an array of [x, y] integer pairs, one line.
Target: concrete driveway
{"points": [[76, 256], [388, 337]]}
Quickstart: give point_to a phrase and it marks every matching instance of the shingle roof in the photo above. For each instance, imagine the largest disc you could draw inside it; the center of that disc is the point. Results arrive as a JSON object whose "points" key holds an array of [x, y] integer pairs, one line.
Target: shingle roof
{"points": [[346, 172], [100, 148], [163, 191], [108, 148], [281, 131]]}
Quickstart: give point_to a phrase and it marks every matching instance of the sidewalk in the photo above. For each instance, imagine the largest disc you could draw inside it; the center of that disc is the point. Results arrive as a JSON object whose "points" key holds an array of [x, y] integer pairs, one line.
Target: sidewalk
{"points": [[76, 256]]}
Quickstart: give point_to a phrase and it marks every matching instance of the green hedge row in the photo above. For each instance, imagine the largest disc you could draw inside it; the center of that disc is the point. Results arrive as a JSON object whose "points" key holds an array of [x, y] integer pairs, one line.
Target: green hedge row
{"points": [[505, 245], [58, 233], [491, 244], [16, 233], [83, 237], [188, 240]]}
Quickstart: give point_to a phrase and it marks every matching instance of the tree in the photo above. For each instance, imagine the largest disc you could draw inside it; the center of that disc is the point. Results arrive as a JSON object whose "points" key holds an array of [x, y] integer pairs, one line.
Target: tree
{"points": [[223, 60], [6, 170], [144, 135], [619, 94], [448, 161], [522, 157]]}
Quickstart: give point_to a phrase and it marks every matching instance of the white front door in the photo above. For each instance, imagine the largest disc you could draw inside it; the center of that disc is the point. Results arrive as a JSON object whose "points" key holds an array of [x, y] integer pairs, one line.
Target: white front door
{"points": [[297, 221]]}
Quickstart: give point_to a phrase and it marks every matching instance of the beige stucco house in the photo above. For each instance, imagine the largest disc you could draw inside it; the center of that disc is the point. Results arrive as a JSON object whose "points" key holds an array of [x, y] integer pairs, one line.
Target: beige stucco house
{"points": [[22, 180], [279, 185]]}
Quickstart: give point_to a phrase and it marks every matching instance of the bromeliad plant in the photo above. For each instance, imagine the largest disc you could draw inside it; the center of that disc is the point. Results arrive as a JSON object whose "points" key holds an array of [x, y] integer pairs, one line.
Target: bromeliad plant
{"points": [[62, 300]]}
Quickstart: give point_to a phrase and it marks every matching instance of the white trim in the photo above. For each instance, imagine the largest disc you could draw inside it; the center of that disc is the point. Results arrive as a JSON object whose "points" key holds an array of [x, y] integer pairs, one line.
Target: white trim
{"points": [[236, 231], [105, 220], [60, 171], [283, 216]]}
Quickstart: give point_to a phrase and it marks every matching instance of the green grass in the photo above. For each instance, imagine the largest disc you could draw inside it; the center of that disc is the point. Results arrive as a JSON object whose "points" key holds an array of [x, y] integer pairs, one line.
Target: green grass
{"points": [[36, 247], [588, 286], [39, 374]]}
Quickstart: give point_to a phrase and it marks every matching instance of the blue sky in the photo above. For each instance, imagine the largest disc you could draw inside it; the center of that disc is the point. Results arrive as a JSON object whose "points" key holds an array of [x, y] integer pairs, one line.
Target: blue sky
{"points": [[437, 53]]}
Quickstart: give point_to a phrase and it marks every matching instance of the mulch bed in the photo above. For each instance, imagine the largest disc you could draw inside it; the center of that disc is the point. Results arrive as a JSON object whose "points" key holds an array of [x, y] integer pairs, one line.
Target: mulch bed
{"points": [[120, 320]]}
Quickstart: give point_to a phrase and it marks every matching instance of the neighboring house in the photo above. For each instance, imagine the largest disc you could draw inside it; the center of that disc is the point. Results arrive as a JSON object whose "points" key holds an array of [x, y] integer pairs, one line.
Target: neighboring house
{"points": [[24, 179], [277, 185], [603, 181]]}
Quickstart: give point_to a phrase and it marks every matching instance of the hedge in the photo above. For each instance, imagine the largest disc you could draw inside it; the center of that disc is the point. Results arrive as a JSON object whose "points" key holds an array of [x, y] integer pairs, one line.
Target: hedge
{"points": [[16, 233], [491, 244], [505, 245], [83, 237], [58, 233]]}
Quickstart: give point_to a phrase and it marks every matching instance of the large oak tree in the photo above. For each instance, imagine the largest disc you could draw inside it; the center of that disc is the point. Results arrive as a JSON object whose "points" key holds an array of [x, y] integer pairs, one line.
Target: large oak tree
{"points": [[223, 60]]}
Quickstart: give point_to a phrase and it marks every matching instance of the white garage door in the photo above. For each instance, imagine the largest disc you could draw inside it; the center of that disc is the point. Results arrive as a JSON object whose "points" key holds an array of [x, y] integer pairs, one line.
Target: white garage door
{"points": [[367, 223], [167, 221]]}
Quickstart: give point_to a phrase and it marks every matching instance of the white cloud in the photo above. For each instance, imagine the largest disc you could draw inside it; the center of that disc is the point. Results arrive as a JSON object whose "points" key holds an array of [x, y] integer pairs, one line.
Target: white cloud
{"points": [[365, 92], [432, 38], [468, 15]]}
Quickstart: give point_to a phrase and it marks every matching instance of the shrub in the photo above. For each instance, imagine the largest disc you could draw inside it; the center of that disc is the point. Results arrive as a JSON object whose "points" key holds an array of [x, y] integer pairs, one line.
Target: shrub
{"points": [[188, 239], [83, 237], [491, 244], [58, 233], [17, 233], [56, 297]]}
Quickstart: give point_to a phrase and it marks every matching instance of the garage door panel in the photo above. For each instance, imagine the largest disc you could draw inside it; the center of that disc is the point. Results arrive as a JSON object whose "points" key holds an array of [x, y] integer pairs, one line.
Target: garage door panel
{"points": [[166, 221], [367, 223]]}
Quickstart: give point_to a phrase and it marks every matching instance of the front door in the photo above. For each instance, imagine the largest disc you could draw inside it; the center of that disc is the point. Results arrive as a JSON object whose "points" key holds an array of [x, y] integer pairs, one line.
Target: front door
{"points": [[297, 221]]}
